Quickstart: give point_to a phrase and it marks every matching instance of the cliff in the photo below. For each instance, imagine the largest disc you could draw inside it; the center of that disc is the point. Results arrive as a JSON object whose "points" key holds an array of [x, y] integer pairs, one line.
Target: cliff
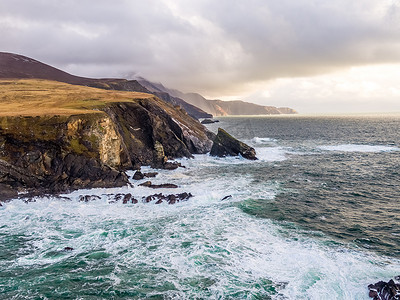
{"points": [[218, 107], [21, 67], [56, 137]]}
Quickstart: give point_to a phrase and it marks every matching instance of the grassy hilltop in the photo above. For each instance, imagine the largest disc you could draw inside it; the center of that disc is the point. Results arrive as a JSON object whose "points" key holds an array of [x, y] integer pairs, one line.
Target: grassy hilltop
{"points": [[35, 97]]}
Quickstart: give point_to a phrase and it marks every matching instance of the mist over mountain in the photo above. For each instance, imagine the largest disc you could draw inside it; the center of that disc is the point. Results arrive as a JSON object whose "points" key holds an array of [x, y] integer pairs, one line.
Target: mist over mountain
{"points": [[19, 66], [218, 107]]}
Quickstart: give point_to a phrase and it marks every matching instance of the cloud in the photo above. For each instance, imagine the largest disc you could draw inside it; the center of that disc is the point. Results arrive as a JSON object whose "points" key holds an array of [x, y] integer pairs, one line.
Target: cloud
{"points": [[373, 88], [217, 48]]}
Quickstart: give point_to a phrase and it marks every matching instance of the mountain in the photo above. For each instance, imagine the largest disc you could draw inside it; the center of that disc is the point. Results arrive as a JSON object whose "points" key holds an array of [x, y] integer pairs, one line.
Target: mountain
{"points": [[218, 107], [19, 67]]}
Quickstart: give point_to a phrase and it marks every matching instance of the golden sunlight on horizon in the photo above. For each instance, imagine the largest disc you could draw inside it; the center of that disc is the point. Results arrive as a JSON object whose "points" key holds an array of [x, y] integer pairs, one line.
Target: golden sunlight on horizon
{"points": [[372, 88]]}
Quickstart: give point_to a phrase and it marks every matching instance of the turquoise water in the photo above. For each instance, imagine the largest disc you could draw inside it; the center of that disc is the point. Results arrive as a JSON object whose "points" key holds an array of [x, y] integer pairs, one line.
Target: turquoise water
{"points": [[314, 218]]}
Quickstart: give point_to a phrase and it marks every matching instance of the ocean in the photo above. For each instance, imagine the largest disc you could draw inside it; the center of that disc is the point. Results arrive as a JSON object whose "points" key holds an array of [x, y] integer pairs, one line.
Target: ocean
{"points": [[316, 217]]}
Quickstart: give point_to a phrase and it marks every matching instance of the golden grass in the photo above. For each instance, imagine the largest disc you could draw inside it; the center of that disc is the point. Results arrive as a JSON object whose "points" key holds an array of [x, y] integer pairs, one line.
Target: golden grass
{"points": [[34, 97]]}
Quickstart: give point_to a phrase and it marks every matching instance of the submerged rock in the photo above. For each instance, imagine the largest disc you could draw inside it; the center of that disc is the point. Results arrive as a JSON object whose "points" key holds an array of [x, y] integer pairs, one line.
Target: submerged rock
{"points": [[150, 174], [163, 186], [170, 199], [129, 198], [385, 290], [172, 165], [227, 145], [146, 183], [159, 186], [88, 198]]}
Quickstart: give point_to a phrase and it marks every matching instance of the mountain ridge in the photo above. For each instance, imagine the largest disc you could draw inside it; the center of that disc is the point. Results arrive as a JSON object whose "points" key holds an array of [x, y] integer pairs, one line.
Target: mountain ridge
{"points": [[23, 67], [218, 107]]}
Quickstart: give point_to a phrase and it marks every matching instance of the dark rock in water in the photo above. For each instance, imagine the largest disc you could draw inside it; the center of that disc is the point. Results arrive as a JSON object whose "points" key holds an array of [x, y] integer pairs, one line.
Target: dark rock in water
{"points": [[227, 145], [128, 198], [88, 198], [172, 165], [159, 186], [138, 175], [183, 196], [385, 290], [226, 197], [116, 198], [150, 174], [29, 200], [209, 121], [170, 199], [163, 186], [68, 249], [153, 197], [146, 183], [125, 198]]}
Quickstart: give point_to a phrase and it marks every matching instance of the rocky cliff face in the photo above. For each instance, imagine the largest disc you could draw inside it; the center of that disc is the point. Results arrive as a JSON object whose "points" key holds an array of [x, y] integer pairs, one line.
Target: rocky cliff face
{"points": [[54, 153]]}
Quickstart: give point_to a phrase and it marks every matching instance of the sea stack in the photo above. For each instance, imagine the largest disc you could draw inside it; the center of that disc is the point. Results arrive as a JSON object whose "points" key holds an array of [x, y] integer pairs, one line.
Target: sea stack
{"points": [[226, 145]]}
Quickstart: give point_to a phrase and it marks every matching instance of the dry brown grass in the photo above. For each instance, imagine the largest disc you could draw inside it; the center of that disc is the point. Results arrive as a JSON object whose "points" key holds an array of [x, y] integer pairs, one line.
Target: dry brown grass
{"points": [[33, 97]]}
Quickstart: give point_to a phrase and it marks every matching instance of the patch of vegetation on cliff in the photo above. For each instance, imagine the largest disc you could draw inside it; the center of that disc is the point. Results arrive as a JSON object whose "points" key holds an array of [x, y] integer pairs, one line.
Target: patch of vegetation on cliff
{"points": [[34, 97]]}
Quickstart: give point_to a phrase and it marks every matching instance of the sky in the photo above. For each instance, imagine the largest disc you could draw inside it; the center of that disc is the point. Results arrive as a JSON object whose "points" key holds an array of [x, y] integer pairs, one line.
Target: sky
{"points": [[312, 55]]}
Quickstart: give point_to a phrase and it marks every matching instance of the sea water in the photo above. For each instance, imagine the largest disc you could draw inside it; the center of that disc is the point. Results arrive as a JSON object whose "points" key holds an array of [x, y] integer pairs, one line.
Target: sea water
{"points": [[316, 217]]}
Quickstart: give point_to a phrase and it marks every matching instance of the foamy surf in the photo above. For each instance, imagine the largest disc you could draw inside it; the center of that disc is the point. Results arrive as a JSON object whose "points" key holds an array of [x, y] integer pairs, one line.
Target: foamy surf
{"points": [[359, 148], [206, 247]]}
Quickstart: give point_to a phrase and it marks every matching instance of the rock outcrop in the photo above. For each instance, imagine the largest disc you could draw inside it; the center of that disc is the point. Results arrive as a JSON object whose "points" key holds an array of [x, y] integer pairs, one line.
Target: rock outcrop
{"points": [[51, 153], [209, 121], [227, 145], [385, 290]]}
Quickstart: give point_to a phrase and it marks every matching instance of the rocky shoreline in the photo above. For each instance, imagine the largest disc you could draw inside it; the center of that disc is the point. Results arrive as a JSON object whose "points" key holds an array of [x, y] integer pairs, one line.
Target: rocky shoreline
{"points": [[52, 154]]}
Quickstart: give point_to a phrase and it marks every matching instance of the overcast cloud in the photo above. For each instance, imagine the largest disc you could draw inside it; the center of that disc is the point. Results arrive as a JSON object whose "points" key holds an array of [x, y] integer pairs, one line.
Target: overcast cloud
{"points": [[218, 48]]}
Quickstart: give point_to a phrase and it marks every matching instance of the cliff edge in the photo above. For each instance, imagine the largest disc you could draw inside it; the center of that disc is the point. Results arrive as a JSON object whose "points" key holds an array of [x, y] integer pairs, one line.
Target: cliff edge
{"points": [[56, 137]]}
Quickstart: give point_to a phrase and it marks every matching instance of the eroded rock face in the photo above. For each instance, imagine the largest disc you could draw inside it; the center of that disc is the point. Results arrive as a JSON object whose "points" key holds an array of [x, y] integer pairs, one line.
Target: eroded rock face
{"points": [[51, 154], [227, 145], [154, 131]]}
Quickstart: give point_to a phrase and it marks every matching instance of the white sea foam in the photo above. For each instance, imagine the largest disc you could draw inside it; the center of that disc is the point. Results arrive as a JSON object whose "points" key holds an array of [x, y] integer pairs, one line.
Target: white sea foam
{"points": [[262, 140], [359, 148], [272, 153], [201, 239]]}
